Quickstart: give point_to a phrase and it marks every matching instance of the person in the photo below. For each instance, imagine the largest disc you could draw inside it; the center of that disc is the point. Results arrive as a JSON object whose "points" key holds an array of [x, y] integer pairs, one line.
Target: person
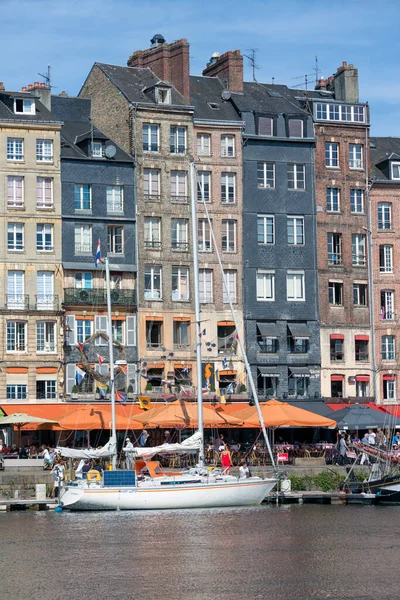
{"points": [[364, 456], [371, 437], [380, 437], [226, 460], [85, 469], [57, 473], [244, 471], [128, 454], [95, 473], [396, 439], [343, 447], [47, 459], [167, 437], [217, 443], [14, 450], [24, 452], [143, 438]]}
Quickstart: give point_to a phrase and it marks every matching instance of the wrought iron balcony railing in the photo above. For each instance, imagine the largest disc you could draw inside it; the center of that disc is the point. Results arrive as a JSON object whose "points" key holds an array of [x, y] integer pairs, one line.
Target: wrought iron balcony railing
{"points": [[98, 296]]}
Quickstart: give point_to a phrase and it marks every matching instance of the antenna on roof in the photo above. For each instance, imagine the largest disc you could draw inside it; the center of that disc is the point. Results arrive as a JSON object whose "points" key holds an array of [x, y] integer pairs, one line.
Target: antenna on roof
{"points": [[252, 61], [47, 77], [304, 82], [317, 70]]}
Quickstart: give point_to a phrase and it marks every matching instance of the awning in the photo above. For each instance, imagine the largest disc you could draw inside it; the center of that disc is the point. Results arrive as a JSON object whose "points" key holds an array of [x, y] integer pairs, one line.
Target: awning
{"points": [[226, 323], [362, 377], [337, 377], [389, 377], [300, 371], [269, 371], [364, 338], [337, 336], [268, 330], [227, 372], [299, 330]]}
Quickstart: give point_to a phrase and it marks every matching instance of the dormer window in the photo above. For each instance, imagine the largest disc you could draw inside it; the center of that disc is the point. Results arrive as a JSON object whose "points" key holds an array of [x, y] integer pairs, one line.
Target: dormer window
{"points": [[396, 170], [163, 95], [24, 107], [97, 150]]}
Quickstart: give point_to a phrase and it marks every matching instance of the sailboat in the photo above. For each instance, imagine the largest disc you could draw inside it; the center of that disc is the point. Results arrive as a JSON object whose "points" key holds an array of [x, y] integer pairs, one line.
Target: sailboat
{"points": [[196, 488]]}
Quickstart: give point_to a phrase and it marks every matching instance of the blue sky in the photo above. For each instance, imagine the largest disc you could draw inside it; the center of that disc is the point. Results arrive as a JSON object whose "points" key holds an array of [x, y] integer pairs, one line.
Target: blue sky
{"points": [[72, 34]]}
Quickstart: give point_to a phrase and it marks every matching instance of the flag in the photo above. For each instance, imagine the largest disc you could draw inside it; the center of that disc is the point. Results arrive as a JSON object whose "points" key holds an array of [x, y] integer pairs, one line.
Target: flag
{"points": [[144, 376], [80, 346], [79, 375], [185, 369], [222, 397], [97, 260], [124, 369], [186, 391], [121, 396], [217, 374], [144, 402], [202, 333], [101, 359], [101, 388], [224, 363], [229, 389]]}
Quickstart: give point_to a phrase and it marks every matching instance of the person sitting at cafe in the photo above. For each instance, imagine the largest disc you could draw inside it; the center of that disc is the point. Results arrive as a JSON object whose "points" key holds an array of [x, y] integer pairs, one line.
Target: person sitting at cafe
{"points": [[14, 450], [396, 439], [24, 452]]}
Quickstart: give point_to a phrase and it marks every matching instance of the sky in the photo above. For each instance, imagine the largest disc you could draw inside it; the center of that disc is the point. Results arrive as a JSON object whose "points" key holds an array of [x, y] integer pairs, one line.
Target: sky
{"points": [[71, 35]]}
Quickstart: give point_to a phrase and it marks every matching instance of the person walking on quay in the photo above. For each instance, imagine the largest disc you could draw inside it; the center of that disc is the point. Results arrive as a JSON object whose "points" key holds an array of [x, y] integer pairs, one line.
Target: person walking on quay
{"points": [[343, 448], [226, 460], [129, 454], [47, 459], [57, 476], [380, 437], [143, 438]]}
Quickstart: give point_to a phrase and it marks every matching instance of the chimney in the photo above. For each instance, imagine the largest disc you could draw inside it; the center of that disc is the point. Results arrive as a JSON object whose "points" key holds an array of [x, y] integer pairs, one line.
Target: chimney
{"points": [[345, 82], [42, 92], [23, 89], [170, 62], [1, 86], [228, 67]]}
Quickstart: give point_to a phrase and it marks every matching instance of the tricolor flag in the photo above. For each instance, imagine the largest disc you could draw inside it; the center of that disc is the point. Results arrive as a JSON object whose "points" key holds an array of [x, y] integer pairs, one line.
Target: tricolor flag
{"points": [[224, 363], [79, 375], [124, 369], [101, 388], [80, 346], [101, 359], [97, 259], [121, 396], [202, 333]]}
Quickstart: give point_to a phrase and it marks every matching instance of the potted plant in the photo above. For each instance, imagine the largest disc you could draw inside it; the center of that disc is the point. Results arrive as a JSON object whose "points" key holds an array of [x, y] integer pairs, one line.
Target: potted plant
{"points": [[149, 387], [242, 389], [130, 391], [74, 392]]}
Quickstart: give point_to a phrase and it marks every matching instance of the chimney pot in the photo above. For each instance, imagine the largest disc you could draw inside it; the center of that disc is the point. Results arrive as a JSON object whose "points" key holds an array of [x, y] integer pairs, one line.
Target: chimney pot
{"points": [[1, 85], [36, 84], [42, 85], [344, 64], [23, 88], [30, 86]]}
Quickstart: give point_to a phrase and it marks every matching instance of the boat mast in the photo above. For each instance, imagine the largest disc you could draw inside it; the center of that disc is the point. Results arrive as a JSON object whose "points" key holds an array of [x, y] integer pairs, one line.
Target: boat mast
{"points": [[197, 311], [111, 356]]}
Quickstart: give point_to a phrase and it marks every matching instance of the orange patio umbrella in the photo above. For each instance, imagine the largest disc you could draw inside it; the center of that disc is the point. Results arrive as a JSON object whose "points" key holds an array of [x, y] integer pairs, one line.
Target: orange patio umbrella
{"points": [[183, 414], [282, 414], [88, 417]]}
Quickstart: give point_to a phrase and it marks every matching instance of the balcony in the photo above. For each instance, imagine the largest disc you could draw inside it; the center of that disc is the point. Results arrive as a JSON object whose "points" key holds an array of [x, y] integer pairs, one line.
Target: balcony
{"points": [[184, 246], [152, 245], [48, 302], [95, 297], [152, 197], [17, 301], [179, 199]]}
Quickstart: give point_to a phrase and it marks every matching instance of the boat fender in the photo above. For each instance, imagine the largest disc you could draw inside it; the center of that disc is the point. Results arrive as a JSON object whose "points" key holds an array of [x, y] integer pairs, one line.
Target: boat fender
{"points": [[93, 475]]}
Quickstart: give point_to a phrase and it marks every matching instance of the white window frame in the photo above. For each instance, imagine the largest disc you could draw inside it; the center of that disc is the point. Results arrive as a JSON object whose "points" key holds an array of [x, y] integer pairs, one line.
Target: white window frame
{"points": [[297, 276], [15, 149], [15, 229], [20, 391], [227, 146], [80, 187], [44, 229], [45, 300], [152, 176], [332, 198], [228, 188], [42, 185], [204, 235], [299, 176], [163, 95], [389, 312], [113, 232], [298, 239], [356, 157], [16, 289], [26, 102], [231, 282], [84, 329], [339, 112], [335, 293], [175, 134], [357, 294], [153, 293], [265, 182], [206, 286], [44, 151], [265, 282], [204, 186], [388, 347], [97, 149], [147, 134], [179, 231], [81, 280], [264, 222], [331, 155], [390, 389], [384, 216], [49, 331], [356, 195], [152, 233], [358, 250], [387, 252], [84, 231], [395, 168], [14, 179], [176, 179], [229, 232], [203, 149], [115, 198], [181, 292], [20, 334]]}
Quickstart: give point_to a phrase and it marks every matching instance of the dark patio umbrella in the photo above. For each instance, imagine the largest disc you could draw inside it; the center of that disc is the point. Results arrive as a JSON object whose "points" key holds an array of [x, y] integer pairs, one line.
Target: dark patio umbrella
{"points": [[319, 408], [363, 417]]}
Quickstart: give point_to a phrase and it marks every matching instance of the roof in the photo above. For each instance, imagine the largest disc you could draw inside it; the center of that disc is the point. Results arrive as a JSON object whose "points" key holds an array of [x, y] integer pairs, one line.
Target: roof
{"points": [[205, 96], [135, 83], [77, 129], [42, 114], [383, 149], [264, 98]]}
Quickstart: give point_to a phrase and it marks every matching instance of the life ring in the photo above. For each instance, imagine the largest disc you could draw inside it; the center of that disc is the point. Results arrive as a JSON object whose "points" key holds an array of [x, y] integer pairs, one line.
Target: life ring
{"points": [[93, 475]]}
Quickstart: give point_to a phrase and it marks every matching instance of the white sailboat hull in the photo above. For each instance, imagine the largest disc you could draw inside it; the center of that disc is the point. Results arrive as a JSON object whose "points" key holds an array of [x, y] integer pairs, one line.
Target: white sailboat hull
{"points": [[171, 496]]}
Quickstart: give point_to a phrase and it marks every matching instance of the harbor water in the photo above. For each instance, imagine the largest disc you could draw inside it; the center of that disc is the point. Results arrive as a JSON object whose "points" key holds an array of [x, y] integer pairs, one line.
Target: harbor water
{"points": [[267, 553]]}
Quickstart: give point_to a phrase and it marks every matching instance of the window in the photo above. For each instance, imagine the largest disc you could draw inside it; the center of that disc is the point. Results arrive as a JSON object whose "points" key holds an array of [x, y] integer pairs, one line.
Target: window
{"points": [[44, 238], [265, 175], [297, 385], [151, 184], [296, 177], [83, 239], [152, 283], [265, 285], [267, 386], [179, 237], [389, 388], [203, 144], [97, 149], [17, 391], [355, 156], [15, 290], [179, 186], [356, 200], [15, 237], [388, 347], [44, 150], [395, 170], [384, 215], [267, 345], [115, 199], [227, 342], [335, 293], [46, 390], [181, 331], [387, 305], [24, 106], [337, 350], [332, 199], [180, 283], [358, 250], [386, 258], [230, 278], [265, 229], [295, 231], [228, 235], [360, 294], [334, 249], [118, 331], [84, 330], [205, 286], [15, 191], [203, 186], [152, 232], [163, 95], [16, 336], [296, 128], [337, 386], [177, 140], [227, 146], [45, 336], [115, 239], [340, 112], [265, 126], [15, 149], [44, 192], [45, 290], [361, 347], [228, 188], [83, 281], [154, 331], [82, 196], [204, 236], [362, 386], [331, 155], [295, 285], [151, 138]]}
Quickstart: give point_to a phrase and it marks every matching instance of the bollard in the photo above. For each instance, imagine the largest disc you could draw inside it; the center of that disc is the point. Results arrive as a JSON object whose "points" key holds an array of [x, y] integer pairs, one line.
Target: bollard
{"points": [[15, 494], [40, 492]]}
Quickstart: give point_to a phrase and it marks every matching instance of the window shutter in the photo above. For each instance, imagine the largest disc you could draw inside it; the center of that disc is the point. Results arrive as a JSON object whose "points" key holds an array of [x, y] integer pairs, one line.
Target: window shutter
{"points": [[70, 378], [132, 377], [265, 126], [100, 325], [295, 128], [290, 286], [70, 325], [131, 331]]}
